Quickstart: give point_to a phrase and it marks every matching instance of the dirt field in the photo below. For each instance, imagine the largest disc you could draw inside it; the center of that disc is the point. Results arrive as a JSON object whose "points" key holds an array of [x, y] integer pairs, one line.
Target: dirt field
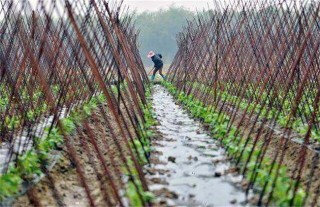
{"points": [[62, 185]]}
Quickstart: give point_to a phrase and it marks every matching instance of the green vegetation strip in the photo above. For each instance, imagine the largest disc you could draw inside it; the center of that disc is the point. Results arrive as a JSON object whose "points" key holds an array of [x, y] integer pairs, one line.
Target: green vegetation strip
{"points": [[14, 121], [282, 119], [281, 192], [145, 135], [28, 166]]}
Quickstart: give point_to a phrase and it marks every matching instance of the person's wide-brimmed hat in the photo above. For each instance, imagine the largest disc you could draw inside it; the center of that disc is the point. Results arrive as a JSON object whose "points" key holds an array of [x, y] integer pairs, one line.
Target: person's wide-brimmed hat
{"points": [[150, 54]]}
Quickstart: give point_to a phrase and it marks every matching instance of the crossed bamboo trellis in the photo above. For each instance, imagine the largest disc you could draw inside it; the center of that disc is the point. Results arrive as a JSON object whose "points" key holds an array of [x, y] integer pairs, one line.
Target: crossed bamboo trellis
{"points": [[264, 54], [57, 55], [54, 59]]}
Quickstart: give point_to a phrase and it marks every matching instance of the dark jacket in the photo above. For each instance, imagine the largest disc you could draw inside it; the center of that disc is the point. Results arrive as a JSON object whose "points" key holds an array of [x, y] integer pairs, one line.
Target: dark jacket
{"points": [[158, 63]]}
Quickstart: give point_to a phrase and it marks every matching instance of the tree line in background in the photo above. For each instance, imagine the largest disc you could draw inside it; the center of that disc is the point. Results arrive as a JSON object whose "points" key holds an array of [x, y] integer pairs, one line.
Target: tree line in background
{"points": [[158, 32]]}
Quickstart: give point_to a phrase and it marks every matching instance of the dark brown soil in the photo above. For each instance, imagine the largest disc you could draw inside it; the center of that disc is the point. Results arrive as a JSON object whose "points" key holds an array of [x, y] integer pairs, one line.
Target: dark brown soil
{"points": [[62, 185]]}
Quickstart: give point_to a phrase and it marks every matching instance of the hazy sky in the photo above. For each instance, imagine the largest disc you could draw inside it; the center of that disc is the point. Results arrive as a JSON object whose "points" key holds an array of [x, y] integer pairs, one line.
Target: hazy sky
{"points": [[193, 5], [154, 5], [137, 5]]}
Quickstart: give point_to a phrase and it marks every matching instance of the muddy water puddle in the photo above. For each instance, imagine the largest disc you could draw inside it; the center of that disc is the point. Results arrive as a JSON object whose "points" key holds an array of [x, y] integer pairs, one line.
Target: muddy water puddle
{"points": [[191, 169]]}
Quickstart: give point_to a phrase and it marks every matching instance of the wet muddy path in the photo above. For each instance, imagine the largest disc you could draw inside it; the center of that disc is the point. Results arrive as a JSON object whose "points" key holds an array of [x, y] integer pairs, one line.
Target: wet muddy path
{"points": [[188, 167]]}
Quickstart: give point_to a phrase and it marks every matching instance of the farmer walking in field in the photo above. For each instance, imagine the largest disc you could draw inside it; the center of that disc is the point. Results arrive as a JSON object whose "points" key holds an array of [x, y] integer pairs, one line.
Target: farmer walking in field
{"points": [[158, 64]]}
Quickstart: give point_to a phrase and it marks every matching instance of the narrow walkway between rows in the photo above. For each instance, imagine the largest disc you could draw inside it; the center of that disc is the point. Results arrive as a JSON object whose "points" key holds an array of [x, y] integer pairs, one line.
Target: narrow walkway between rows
{"points": [[188, 167]]}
